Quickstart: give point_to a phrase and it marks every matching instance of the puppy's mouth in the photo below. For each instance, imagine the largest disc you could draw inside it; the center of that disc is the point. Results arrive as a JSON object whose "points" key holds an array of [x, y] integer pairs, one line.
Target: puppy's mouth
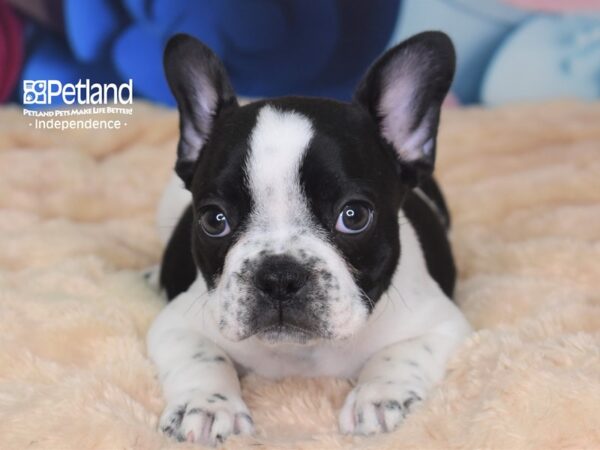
{"points": [[285, 333]]}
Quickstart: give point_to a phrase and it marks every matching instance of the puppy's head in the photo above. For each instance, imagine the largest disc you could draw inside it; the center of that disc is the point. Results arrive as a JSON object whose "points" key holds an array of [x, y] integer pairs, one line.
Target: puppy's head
{"points": [[296, 199]]}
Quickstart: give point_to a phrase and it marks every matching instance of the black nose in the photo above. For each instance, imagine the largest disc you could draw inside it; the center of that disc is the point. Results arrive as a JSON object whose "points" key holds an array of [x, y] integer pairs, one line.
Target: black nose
{"points": [[281, 277]]}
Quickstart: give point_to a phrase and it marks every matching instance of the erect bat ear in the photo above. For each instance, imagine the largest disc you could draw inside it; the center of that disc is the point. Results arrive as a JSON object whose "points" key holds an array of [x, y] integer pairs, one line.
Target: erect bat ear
{"points": [[404, 90], [202, 90]]}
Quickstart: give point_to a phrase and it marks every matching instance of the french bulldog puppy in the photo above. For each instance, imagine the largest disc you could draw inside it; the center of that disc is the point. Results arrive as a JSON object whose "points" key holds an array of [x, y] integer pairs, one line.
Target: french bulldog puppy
{"points": [[311, 240]]}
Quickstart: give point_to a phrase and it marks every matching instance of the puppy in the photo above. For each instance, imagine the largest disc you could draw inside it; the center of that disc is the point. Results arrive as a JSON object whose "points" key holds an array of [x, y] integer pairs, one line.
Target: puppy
{"points": [[313, 243]]}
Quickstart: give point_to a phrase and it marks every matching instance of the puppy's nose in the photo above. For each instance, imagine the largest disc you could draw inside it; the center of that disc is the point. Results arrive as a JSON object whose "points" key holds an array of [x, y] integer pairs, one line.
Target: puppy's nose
{"points": [[281, 277]]}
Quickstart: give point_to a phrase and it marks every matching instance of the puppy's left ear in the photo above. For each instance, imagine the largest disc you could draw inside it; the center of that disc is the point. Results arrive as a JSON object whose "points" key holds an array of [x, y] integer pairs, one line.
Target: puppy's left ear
{"points": [[404, 90], [202, 90]]}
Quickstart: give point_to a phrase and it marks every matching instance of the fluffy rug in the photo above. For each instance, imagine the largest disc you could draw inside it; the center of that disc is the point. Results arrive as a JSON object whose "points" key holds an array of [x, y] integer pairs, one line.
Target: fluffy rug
{"points": [[76, 226]]}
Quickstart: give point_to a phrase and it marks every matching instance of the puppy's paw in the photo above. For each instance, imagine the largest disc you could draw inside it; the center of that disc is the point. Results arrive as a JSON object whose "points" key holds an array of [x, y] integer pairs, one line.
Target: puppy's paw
{"points": [[378, 406], [206, 418]]}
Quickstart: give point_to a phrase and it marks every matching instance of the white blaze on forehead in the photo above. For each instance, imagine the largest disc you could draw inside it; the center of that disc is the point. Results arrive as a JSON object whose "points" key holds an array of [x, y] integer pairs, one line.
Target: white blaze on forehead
{"points": [[277, 147]]}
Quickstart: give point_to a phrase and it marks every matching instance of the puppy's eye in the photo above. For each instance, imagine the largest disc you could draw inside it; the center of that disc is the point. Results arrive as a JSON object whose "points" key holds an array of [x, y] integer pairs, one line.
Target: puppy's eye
{"points": [[354, 218], [214, 222]]}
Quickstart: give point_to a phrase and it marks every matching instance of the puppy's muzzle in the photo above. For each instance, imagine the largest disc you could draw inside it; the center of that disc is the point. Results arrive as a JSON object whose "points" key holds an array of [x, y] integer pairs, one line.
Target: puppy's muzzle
{"points": [[284, 288]]}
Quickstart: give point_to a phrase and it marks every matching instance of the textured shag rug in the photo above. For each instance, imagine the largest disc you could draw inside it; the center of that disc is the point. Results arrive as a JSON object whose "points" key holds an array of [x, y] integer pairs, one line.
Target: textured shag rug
{"points": [[76, 226]]}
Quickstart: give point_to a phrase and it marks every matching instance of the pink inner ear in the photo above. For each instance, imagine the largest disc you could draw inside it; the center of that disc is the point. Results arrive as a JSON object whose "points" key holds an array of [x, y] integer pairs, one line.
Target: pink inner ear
{"points": [[395, 110], [206, 99], [397, 113]]}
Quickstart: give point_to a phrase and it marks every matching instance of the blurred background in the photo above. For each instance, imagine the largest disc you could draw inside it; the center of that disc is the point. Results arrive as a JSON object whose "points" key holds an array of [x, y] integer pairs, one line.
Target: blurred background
{"points": [[508, 50]]}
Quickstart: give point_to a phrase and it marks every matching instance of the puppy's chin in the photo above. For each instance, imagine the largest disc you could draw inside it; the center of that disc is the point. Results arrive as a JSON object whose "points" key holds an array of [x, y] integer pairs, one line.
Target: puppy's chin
{"points": [[272, 334], [286, 334]]}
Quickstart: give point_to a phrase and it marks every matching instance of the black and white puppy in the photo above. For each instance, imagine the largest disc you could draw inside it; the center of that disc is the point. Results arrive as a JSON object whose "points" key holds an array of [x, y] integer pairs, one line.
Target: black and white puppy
{"points": [[313, 243]]}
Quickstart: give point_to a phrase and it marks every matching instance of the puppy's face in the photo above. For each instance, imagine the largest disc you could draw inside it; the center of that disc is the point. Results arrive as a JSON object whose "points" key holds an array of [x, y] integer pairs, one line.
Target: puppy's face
{"points": [[296, 223], [296, 200]]}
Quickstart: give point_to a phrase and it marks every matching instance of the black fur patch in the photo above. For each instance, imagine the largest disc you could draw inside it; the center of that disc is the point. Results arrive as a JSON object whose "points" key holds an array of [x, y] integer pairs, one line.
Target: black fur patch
{"points": [[178, 269]]}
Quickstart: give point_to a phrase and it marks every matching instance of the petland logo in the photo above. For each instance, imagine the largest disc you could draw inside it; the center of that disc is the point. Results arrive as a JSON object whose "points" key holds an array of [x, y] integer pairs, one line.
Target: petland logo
{"points": [[86, 105], [44, 92]]}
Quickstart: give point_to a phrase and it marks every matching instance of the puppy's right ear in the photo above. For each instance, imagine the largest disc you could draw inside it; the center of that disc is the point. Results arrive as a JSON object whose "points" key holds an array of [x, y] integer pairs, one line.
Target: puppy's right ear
{"points": [[202, 90], [403, 92]]}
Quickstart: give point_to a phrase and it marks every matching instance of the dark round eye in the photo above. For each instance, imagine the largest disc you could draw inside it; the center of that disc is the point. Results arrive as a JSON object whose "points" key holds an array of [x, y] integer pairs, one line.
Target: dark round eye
{"points": [[354, 218], [214, 222]]}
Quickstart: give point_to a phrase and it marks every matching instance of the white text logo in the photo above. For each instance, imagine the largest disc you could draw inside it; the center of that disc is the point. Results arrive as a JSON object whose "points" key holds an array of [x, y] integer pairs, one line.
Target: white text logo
{"points": [[84, 92]]}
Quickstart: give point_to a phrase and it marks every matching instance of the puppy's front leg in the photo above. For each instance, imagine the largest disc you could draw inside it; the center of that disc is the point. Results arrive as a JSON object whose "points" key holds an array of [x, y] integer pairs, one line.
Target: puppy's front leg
{"points": [[396, 379], [199, 381]]}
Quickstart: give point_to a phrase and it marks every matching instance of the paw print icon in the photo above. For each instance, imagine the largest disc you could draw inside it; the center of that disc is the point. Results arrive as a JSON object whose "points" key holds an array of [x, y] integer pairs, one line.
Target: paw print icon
{"points": [[34, 92]]}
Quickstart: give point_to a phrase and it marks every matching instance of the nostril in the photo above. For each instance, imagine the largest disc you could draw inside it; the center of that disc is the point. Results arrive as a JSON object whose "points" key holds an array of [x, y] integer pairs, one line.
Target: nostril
{"points": [[267, 281], [291, 287], [294, 282]]}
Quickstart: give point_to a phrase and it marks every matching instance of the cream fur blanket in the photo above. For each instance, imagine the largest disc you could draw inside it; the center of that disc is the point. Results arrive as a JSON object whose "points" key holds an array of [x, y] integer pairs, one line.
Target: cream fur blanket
{"points": [[76, 225]]}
